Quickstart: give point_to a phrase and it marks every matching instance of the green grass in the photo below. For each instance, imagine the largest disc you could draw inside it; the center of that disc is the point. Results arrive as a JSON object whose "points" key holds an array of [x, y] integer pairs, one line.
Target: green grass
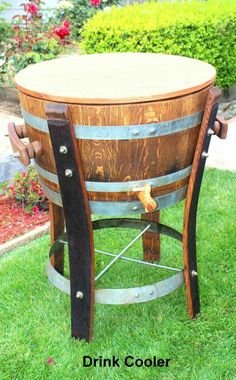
{"points": [[35, 317]]}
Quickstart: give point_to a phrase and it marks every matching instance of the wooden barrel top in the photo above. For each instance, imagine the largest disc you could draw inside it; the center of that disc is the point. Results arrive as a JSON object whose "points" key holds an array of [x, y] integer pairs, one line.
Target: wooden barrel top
{"points": [[114, 78]]}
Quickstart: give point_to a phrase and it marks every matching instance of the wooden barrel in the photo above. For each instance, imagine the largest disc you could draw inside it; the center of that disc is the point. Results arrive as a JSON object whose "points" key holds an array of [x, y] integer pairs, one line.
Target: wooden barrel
{"points": [[136, 116]]}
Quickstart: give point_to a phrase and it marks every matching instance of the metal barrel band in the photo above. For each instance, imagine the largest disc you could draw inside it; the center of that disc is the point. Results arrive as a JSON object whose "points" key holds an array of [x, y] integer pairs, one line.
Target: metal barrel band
{"points": [[108, 208], [155, 227], [122, 186], [122, 132], [124, 295], [121, 296]]}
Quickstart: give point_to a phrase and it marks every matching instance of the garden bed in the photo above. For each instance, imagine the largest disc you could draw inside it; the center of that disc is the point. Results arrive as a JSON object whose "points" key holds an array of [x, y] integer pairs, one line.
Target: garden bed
{"points": [[15, 221]]}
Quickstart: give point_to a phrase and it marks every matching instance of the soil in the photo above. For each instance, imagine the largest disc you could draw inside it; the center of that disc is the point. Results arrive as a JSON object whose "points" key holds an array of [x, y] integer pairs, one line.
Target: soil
{"points": [[14, 221], [10, 108]]}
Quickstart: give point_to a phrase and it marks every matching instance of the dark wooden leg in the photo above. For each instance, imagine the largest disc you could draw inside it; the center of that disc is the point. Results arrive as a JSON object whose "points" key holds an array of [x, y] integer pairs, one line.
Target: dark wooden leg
{"points": [[151, 241], [56, 229], [190, 213], [78, 224]]}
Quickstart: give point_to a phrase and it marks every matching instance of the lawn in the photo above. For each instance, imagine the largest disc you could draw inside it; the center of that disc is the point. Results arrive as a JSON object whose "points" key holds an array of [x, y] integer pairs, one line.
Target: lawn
{"points": [[35, 317]]}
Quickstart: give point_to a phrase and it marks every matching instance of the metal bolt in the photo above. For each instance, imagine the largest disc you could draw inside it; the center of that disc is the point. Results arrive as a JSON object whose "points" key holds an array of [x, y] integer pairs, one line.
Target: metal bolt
{"points": [[193, 273], [79, 295], [63, 149], [135, 208], [205, 154], [210, 132], [151, 293], [137, 295], [136, 133], [16, 155], [68, 173], [152, 131]]}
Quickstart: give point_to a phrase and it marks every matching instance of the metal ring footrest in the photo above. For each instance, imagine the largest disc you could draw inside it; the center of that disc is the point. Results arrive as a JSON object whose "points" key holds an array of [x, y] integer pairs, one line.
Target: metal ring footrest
{"points": [[126, 295]]}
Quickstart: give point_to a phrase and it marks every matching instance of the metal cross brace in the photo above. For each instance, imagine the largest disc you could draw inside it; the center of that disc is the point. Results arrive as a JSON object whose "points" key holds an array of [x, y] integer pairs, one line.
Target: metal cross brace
{"points": [[122, 252], [120, 256], [140, 261]]}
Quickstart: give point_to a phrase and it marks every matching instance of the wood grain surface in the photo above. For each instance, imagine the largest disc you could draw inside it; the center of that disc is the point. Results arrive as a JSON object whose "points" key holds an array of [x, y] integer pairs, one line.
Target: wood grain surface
{"points": [[151, 241], [114, 78], [125, 160], [57, 226], [121, 160]]}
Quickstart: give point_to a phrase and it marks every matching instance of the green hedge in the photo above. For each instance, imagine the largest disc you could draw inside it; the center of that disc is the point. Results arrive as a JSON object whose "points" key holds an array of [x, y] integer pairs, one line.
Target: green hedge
{"points": [[5, 27], [198, 29]]}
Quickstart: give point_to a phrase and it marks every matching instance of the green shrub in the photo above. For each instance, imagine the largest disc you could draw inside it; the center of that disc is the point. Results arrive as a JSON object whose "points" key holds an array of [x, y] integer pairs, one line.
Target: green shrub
{"points": [[202, 30], [5, 34], [5, 27], [27, 191]]}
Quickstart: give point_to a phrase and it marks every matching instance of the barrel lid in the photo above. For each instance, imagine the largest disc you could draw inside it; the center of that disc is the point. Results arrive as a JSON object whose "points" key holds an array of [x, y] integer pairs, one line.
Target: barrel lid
{"points": [[114, 78]]}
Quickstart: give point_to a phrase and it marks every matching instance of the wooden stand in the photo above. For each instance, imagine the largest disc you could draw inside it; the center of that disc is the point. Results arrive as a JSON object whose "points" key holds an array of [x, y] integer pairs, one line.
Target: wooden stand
{"points": [[190, 212], [57, 226], [79, 225], [151, 242]]}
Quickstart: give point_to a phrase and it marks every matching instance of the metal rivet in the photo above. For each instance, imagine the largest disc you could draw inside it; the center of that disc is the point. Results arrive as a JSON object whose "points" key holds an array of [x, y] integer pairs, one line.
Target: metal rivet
{"points": [[210, 132], [136, 133], [135, 208], [79, 295], [152, 131], [16, 155], [151, 293], [205, 154], [63, 149], [68, 173], [137, 295], [193, 273]]}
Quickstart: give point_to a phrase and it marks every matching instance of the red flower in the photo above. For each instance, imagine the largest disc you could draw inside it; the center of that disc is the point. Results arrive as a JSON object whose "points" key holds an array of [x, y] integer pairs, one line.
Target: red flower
{"points": [[32, 9], [23, 174], [62, 31], [16, 27], [95, 3], [66, 23], [50, 361], [34, 187], [35, 209]]}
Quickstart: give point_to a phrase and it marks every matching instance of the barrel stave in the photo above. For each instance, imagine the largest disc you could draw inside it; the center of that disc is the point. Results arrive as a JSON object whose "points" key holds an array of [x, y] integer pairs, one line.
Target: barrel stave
{"points": [[123, 160]]}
